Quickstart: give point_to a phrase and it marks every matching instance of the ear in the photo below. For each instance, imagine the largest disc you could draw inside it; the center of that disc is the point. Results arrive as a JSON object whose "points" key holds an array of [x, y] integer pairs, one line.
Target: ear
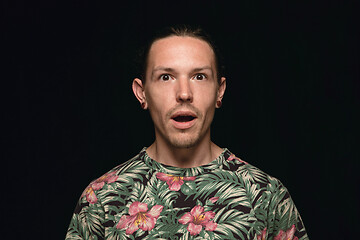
{"points": [[221, 91], [139, 92]]}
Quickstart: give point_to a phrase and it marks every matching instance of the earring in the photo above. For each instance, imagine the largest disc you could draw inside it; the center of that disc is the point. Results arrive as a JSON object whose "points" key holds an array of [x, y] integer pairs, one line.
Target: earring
{"points": [[143, 105], [218, 103]]}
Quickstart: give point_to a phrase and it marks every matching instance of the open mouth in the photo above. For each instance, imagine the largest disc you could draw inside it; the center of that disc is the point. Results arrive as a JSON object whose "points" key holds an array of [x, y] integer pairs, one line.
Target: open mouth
{"points": [[183, 118]]}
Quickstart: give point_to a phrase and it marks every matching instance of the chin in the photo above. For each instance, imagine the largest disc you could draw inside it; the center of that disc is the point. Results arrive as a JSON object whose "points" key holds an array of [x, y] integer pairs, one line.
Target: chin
{"points": [[184, 142]]}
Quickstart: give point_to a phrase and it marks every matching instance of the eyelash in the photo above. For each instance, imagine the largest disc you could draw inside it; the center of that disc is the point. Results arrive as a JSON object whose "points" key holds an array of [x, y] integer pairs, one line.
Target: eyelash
{"points": [[163, 75], [200, 74], [194, 77]]}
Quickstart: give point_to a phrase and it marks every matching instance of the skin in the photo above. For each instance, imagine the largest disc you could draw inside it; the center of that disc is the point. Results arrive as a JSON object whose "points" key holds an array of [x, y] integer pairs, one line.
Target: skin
{"points": [[181, 78]]}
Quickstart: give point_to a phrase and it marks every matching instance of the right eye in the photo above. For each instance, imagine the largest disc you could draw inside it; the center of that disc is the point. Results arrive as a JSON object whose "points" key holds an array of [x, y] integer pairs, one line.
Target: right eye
{"points": [[165, 77]]}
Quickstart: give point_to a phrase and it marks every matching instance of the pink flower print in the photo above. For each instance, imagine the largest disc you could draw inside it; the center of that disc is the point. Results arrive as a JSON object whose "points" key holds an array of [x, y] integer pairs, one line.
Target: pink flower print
{"points": [[173, 181], [100, 182], [262, 236], [233, 157], [139, 217], [197, 219], [97, 185], [90, 195], [214, 199], [288, 235]]}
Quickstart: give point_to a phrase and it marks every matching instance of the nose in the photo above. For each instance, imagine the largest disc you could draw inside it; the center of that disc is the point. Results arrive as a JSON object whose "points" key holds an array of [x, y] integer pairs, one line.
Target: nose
{"points": [[184, 93]]}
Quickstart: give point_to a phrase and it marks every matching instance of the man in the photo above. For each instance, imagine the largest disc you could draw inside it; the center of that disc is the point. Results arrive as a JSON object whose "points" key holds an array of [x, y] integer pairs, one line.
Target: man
{"points": [[184, 186]]}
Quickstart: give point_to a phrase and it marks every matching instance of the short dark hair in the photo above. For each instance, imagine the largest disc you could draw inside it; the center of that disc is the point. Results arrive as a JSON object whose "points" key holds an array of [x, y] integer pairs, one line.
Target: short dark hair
{"points": [[180, 31]]}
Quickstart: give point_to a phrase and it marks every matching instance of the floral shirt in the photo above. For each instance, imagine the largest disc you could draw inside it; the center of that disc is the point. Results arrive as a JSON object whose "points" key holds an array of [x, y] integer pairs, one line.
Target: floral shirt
{"points": [[225, 199]]}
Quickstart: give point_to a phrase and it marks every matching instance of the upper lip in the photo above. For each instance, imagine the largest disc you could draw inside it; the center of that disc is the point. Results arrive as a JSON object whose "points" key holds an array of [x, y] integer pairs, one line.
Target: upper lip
{"points": [[183, 113]]}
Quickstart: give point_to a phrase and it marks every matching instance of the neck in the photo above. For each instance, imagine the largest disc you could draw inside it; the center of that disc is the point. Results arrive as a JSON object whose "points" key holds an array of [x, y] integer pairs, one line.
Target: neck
{"points": [[200, 154]]}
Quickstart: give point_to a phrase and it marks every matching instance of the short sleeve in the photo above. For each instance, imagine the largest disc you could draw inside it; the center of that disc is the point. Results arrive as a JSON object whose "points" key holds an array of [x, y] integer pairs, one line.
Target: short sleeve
{"points": [[284, 219], [87, 221]]}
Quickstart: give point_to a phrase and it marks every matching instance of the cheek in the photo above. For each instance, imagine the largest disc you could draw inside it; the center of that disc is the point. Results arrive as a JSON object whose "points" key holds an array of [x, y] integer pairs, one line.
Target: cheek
{"points": [[157, 102], [161, 97], [158, 106], [208, 98], [209, 103]]}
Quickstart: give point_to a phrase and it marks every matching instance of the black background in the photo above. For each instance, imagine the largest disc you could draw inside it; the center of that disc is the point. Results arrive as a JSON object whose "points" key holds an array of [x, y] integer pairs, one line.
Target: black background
{"points": [[291, 107]]}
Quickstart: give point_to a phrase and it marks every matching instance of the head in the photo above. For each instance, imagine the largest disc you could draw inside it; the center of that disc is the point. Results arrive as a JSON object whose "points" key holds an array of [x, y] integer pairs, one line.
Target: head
{"points": [[181, 85], [180, 31]]}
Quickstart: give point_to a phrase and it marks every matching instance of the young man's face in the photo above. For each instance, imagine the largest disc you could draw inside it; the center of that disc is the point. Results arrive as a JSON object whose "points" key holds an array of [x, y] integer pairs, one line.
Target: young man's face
{"points": [[181, 90]]}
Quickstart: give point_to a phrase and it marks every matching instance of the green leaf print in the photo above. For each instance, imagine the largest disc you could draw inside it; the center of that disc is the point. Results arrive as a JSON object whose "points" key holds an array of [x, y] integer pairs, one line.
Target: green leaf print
{"points": [[116, 234], [188, 188], [138, 193], [94, 216], [224, 184], [225, 199], [249, 172], [76, 230], [160, 193]]}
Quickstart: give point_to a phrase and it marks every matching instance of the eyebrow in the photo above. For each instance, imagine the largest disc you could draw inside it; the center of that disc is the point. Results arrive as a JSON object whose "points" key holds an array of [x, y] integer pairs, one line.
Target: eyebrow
{"points": [[202, 69], [161, 68]]}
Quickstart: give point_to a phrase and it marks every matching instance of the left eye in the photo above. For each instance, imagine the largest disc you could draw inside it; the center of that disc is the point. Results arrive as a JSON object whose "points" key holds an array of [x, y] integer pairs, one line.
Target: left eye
{"points": [[199, 76]]}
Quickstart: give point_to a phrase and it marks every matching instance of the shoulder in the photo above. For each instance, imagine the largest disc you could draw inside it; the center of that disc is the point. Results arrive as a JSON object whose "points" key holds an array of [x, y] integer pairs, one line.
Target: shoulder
{"points": [[132, 165], [121, 176], [270, 200], [251, 174]]}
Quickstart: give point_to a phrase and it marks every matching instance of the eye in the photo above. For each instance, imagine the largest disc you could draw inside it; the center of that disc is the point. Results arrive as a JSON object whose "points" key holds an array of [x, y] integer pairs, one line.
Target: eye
{"points": [[199, 76], [165, 77]]}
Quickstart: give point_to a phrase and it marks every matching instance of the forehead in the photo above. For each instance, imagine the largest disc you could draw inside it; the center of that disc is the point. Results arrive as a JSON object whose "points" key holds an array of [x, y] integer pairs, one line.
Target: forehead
{"points": [[180, 51]]}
